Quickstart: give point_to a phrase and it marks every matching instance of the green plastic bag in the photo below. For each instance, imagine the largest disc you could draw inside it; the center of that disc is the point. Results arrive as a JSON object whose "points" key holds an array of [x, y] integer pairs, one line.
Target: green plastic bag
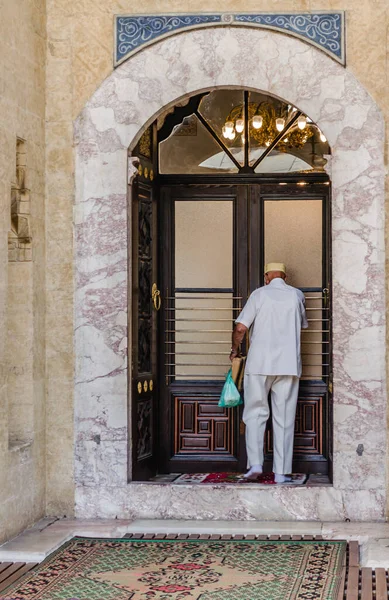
{"points": [[230, 395]]}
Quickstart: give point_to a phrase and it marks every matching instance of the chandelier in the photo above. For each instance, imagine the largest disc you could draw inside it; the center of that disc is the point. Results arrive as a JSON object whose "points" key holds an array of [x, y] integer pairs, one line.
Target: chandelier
{"points": [[266, 121]]}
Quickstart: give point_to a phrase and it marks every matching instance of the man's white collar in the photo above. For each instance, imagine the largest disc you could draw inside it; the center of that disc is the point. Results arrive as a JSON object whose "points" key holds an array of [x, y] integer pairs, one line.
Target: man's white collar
{"points": [[277, 280]]}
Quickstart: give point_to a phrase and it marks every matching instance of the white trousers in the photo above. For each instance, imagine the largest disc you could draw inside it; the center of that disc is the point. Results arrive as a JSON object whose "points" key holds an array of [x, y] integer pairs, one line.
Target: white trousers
{"points": [[284, 393]]}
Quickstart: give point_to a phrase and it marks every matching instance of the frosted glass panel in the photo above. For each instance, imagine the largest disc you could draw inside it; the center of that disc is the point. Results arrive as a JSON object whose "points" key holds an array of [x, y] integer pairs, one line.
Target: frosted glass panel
{"points": [[293, 235], [203, 243]]}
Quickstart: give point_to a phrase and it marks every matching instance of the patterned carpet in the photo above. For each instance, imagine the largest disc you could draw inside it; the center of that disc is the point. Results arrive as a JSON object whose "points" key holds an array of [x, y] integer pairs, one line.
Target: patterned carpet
{"points": [[98, 569], [236, 478]]}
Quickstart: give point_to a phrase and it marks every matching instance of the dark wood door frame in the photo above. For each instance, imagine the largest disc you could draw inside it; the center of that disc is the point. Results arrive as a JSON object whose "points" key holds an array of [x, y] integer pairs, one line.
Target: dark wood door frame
{"points": [[258, 190]]}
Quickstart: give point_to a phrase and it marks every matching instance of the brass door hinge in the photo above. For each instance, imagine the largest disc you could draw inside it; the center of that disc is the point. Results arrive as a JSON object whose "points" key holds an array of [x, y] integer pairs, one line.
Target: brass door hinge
{"points": [[330, 384]]}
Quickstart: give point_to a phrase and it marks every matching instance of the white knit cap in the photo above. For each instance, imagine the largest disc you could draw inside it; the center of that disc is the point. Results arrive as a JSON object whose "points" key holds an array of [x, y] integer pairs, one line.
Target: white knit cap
{"points": [[275, 267]]}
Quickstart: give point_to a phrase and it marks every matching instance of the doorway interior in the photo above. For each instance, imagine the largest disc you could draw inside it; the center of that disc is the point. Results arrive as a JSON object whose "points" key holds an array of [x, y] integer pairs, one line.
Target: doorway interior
{"points": [[227, 181]]}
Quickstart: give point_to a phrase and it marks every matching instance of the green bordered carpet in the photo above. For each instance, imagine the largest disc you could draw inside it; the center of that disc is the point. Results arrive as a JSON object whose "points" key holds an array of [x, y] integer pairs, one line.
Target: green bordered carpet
{"points": [[106, 569]]}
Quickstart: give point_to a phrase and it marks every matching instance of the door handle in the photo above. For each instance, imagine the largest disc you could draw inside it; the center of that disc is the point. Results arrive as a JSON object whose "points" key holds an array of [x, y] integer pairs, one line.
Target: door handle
{"points": [[156, 297], [326, 297]]}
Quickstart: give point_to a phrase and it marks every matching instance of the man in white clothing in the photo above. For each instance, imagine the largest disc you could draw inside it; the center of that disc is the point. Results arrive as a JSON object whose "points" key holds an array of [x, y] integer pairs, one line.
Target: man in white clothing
{"points": [[276, 314]]}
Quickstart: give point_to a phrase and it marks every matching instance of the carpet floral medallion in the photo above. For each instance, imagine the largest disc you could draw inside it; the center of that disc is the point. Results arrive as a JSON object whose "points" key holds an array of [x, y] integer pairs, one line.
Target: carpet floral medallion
{"points": [[98, 569]]}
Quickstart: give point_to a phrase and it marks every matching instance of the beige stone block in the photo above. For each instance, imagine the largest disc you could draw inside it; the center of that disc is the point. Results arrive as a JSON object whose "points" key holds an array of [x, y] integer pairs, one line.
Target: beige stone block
{"points": [[59, 9], [59, 28], [36, 155], [38, 19], [59, 75], [60, 221], [60, 396], [86, 83], [36, 184], [59, 317], [59, 106], [19, 359], [35, 101], [39, 365], [60, 277], [58, 49], [20, 418], [59, 90], [64, 348], [60, 185], [59, 459], [60, 159], [60, 364], [60, 485], [59, 133], [39, 419], [60, 497], [20, 330], [20, 283], [59, 250]]}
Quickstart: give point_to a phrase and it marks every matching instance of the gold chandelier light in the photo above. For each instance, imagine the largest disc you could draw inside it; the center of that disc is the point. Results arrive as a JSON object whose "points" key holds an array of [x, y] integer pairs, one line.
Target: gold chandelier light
{"points": [[265, 122]]}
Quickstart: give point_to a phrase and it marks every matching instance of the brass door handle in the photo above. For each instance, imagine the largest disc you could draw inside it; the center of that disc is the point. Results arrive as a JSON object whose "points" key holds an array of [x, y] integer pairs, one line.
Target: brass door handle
{"points": [[156, 297], [326, 297]]}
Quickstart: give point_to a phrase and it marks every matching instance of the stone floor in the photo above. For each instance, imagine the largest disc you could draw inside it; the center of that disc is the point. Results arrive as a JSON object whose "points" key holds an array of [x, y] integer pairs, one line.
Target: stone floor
{"points": [[48, 534]]}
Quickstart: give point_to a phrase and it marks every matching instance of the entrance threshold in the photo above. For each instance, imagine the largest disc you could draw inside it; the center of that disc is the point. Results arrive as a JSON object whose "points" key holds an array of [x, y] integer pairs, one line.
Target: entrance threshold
{"points": [[313, 480]]}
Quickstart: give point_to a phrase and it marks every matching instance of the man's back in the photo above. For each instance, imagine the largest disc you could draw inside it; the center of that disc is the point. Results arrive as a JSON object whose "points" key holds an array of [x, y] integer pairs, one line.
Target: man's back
{"points": [[276, 313]]}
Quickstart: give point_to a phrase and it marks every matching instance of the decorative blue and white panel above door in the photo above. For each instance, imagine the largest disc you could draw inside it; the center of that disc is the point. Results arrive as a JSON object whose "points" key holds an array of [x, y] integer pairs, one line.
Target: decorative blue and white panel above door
{"points": [[325, 30]]}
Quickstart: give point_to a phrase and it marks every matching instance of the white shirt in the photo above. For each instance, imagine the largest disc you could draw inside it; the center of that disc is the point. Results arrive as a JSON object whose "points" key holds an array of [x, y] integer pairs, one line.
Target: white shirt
{"points": [[277, 313]]}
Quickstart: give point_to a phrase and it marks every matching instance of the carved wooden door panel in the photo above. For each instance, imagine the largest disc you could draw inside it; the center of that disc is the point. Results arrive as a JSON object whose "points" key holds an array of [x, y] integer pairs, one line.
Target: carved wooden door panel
{"points": [[145, 303], [204, 286]]}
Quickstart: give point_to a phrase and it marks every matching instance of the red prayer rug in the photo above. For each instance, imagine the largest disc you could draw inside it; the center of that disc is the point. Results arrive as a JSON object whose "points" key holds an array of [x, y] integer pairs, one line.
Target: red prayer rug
{"points": [[236, 478]]}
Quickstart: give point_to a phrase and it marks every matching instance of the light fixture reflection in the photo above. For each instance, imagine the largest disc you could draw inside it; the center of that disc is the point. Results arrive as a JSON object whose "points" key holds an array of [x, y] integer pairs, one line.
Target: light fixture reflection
{"points": [[229, 127], [323, 137], [257, 121], [280, 124], [302, 122], [239, 125]]}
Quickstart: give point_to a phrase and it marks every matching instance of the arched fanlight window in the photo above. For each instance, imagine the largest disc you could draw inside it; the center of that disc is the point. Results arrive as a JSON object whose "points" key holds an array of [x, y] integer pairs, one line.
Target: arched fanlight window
{"points": [[237, 131]]}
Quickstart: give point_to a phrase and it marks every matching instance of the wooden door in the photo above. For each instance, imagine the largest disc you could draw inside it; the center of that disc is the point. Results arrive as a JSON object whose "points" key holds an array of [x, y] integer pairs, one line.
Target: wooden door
{"points": [[145, 303], [204, 274], [196, 435], [294, 226]]}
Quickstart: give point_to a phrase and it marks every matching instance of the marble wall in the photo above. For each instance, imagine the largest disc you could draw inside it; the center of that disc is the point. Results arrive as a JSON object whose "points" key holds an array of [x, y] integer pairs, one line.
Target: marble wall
{"points": [[50, 68], [129, 99], [79, 58], [22, 265]]}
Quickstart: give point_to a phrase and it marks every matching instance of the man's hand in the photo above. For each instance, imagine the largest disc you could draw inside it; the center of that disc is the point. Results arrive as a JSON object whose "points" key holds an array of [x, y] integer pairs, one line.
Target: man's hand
{"points": [[237, 338], [234, 354]]}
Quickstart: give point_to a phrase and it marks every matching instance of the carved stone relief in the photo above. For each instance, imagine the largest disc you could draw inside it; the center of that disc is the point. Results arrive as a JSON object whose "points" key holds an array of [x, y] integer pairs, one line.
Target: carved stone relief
{"points": [[19, 237]]}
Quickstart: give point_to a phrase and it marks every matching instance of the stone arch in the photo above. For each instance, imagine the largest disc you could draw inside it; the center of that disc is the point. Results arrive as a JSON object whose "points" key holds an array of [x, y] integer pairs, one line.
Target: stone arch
{"points": [[116, 115]]}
